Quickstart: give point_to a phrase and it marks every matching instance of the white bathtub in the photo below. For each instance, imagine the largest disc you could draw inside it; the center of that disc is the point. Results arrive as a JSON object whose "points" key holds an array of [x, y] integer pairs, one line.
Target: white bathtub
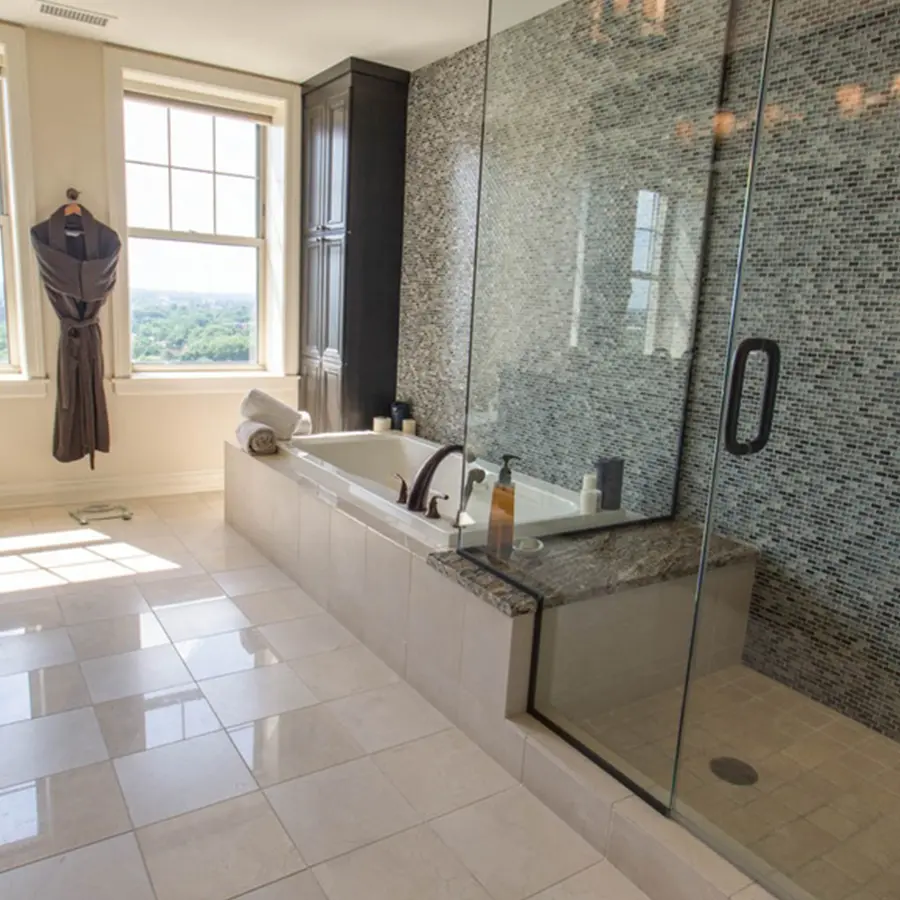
{"points": [[360, 468]]}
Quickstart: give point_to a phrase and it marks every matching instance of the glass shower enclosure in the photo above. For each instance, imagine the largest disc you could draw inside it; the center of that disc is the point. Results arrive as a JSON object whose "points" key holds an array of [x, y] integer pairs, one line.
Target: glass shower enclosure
{"points": [[688, 288]]}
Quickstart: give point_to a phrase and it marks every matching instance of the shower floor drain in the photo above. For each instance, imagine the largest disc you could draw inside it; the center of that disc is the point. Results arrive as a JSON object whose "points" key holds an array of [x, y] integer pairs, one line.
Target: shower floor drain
{"points": [[734, 771]]}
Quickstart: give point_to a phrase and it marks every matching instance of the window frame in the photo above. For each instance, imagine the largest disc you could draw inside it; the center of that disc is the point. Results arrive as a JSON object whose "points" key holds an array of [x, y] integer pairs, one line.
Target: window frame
{"points": [[7, 246], [26, 373], [651, 276], [198, 237], [279, 102]]}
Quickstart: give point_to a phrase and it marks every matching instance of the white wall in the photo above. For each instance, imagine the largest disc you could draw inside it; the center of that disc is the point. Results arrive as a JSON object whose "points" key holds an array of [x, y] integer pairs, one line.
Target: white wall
{"points": [[159, 443]]}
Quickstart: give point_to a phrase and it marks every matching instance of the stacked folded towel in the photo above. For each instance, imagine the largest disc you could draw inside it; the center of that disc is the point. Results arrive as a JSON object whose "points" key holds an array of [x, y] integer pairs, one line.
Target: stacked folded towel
{"points": [[266, 421]]}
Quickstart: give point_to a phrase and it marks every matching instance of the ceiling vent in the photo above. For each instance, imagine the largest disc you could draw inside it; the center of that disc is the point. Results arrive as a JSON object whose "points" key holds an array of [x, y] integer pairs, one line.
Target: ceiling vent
{"points": [[74, 14]]}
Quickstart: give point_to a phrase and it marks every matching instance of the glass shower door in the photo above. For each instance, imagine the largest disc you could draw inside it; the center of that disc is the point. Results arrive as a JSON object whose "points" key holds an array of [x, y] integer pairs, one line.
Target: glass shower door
{"points": [[788, 759]]}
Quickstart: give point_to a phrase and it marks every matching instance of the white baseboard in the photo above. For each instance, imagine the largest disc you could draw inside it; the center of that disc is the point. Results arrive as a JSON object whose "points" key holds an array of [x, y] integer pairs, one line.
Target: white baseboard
{"points": [[117, 487]]}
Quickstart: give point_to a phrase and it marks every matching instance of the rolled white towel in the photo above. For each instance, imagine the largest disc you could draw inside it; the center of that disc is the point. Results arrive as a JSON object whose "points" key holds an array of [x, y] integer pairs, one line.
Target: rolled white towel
{"points": [[285, 421], [256, 438]]}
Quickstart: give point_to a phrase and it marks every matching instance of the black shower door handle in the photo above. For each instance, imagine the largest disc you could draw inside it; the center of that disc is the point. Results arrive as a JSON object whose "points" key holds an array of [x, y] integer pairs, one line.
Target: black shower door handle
{"points": [[736, 392]]}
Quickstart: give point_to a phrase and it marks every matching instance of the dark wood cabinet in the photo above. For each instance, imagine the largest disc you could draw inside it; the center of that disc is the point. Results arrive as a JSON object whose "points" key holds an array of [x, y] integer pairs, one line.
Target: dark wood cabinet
{"points": [[354, 151]]}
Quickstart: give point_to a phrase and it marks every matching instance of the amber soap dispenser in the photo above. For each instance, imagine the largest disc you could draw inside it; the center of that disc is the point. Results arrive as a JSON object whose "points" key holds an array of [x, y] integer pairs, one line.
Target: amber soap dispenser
{"points": [[501, 523]]}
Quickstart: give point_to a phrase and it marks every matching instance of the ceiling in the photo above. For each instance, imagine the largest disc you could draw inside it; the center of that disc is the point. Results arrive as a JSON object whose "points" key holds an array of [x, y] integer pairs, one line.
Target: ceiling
{"points": [[289, 39]]}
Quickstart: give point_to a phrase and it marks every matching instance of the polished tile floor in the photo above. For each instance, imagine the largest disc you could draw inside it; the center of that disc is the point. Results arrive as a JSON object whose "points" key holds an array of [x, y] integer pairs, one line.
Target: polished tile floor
{"points": [[826, 808], [179, 721]]}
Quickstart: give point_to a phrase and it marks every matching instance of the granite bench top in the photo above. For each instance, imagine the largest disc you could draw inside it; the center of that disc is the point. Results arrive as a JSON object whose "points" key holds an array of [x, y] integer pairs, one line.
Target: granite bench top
{"points": [[578, 567]]}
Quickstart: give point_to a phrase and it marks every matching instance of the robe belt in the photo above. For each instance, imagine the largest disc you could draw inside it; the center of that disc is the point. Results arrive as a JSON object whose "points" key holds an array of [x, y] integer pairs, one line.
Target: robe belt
{"points": [[71, 329]]}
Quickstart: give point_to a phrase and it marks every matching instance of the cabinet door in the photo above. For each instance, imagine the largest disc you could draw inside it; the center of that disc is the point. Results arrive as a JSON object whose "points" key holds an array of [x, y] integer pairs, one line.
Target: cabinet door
{"points": [[330, 405], [333, 262], [338, 131], [312, 313], [315, 158], [311, 389]]}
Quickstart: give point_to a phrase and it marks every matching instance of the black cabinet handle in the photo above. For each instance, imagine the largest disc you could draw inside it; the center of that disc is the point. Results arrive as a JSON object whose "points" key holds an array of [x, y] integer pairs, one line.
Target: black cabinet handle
{"points": [[736, 391]]}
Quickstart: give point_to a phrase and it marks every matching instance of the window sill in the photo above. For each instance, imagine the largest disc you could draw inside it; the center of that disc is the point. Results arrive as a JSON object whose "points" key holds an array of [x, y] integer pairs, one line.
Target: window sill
{"points": [[162, 383], [17, 386]]}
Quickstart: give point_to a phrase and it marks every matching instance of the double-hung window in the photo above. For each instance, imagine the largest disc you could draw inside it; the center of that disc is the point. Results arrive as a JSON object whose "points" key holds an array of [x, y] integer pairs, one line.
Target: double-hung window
{"points": [[196, 235]]}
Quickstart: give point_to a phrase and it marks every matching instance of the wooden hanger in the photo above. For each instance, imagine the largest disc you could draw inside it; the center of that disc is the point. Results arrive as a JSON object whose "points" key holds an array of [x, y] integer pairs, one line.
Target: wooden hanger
{"points": [[72, 209]]}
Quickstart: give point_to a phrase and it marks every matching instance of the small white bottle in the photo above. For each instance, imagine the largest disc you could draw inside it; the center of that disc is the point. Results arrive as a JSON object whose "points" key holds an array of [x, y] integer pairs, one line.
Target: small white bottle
{"points": [[588, 497]]}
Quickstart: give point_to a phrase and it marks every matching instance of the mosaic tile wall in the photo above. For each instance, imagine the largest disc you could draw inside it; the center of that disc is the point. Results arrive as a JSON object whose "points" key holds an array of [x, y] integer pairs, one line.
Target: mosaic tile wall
{"points": [[591, 237], [822, 503], [444, 145], [822, 277]]}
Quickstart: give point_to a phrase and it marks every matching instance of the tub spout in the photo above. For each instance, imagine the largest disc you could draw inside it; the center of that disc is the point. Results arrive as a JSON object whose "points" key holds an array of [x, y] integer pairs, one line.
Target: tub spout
{"points": [[421, 486]]}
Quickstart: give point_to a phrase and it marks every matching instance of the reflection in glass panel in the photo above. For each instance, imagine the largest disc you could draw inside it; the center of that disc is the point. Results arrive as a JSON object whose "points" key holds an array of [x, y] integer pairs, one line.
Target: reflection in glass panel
{"points": [[15, 698], [237, 212], [192, 303], [236, 146], [19, 814], [147, 196], [192, 139], [192, 201], [586, 278], [146, 132]]}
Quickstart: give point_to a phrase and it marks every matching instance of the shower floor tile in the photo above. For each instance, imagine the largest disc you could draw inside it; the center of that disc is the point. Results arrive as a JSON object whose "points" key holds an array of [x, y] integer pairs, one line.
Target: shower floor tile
{"points": [[825, 810]]}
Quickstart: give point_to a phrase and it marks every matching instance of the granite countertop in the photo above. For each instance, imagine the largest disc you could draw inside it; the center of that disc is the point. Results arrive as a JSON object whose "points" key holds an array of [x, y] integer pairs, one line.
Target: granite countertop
{"points": [[584, 566]]}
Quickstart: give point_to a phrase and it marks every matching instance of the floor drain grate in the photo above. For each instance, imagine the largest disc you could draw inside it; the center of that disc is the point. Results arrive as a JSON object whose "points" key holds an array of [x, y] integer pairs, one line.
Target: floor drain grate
{"points": [[734, 771]]}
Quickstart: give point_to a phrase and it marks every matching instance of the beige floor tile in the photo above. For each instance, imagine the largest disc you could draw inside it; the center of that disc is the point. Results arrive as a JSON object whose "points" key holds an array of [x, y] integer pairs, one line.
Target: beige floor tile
{"points": [[48, 745], [110, 870], [65, 556], [218, 852], [200, 618], [34, 580], [46, 816], [257, 694], [112, 677], [277, 606], [307, 636], [339, 809], [42, 692], [175, 591], [388, 716], [835, 823], [600, 882], [793, 845], [154, 719], [813, 750], [806, 793], [253, 580], [38, 614], [409, 866], [224, 654], [297, 887], [825, 881], [853, 863], [294, 743], [110, 637], [442, 772], [177, 778], [35, 650], [224, 559], [338, 673], [514, 845], [94, 603]]}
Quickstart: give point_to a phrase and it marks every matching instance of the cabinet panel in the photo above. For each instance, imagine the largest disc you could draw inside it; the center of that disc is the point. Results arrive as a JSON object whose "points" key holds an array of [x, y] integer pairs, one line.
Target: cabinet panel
{"points": [[333, 298], [315, 151], [311, 389], [338, 120], [330, 408], [312, 311]]}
